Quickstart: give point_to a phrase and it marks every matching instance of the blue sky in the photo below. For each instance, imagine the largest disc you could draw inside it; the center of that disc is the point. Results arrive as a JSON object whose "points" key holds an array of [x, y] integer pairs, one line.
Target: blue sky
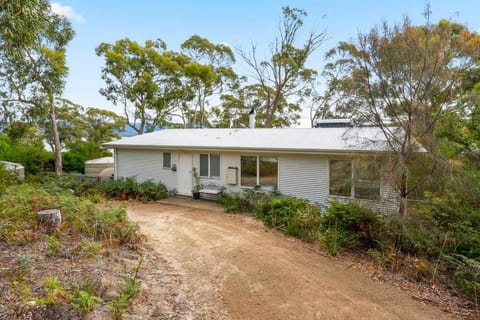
{"points": [[237, 23]]}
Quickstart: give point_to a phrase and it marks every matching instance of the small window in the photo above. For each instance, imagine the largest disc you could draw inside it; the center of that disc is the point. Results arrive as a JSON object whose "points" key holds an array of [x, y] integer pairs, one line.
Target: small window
{"points": [[167, 160], [209, 165], [204, 165], [341, 178], [214, 165]]}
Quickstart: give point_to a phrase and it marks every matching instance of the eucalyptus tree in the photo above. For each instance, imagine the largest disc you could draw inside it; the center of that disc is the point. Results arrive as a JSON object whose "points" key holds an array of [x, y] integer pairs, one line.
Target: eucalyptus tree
{"points": [[407, 77], [284, 75], [33, 42], [235, 107], [144, 81], [207, 74]]}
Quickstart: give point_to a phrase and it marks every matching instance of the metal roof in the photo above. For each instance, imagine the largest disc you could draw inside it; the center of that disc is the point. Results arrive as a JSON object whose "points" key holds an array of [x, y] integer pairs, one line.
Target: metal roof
{"points": [[355, 139]]}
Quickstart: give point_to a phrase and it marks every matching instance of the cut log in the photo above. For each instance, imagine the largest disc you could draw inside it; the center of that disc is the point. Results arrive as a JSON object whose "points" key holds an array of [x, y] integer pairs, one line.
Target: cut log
{"points": [[49, 221]]}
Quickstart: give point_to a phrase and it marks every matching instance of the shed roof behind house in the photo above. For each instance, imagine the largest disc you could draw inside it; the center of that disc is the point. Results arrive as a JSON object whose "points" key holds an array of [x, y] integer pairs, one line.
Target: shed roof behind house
{"points": [[356, 139]]}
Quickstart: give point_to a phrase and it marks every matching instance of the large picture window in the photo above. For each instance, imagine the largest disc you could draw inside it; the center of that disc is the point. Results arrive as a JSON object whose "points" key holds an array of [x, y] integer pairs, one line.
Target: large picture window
{"points": [[209, 165], [356, 179], [259, 171]]}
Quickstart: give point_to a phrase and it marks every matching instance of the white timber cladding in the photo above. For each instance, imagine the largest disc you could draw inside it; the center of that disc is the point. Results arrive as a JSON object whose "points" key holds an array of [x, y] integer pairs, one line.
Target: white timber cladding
{"points": [[145, 165], [227, 159], [304, 176]]}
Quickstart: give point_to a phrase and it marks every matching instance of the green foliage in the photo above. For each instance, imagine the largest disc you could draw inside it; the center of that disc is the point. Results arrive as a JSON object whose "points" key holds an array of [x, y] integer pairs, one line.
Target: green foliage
{"points": [[54, 292], [34, 159], [129, 188], [351, 218], [293, 216], [79, 152], [53, 246], [89, 248], [84, 301], [335, 239], [24, 263], [466, 274], [128, 290], [19, 205]]}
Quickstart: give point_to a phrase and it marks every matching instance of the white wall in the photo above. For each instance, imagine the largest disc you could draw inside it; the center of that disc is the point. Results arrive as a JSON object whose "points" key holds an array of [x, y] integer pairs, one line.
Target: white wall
{"points": [[145, 165], [304, 176]]}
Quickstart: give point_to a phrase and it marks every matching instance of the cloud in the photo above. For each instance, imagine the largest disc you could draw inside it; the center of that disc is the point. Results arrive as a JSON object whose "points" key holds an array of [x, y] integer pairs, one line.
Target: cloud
{"points": [[67, 12]]}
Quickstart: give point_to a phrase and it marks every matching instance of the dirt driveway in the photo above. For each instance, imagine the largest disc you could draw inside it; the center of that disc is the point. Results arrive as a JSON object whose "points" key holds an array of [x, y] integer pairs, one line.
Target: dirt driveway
{"points": [[232, 267]]}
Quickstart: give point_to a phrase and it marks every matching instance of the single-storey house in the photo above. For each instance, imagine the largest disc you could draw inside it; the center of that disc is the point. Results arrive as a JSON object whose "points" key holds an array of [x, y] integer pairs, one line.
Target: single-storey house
{"points": [[318, 164]]}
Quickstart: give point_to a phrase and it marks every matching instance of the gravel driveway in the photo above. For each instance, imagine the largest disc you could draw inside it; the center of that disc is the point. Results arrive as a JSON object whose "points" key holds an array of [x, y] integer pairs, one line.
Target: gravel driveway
{"points": [[231, 267]]}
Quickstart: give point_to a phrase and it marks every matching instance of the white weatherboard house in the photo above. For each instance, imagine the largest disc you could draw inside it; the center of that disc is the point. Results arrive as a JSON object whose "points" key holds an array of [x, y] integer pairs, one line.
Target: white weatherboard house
{"points": [[317, 164]]}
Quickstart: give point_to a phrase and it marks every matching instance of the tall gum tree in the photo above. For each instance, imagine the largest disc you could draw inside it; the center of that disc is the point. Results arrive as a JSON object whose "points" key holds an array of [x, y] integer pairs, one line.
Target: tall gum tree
{"points": [[284, 75], [208, 73], [33, 43], [142, 80], [407, 77]]}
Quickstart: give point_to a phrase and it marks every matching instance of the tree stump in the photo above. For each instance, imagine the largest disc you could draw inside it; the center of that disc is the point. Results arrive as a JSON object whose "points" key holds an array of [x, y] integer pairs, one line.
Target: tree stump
{"points": [[49, 221]]}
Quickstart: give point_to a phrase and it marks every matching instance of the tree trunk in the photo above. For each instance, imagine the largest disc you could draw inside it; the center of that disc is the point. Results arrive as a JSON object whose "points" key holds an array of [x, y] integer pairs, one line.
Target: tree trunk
{"points": [[56, 139], [49, 221]]}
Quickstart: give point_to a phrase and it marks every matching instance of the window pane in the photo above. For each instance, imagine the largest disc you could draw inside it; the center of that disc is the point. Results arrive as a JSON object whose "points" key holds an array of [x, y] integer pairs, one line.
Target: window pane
{"points": [[248, 171], [167, 159], [204, 165], [269, 172], [215, 165], [367, 179], [340, 178]]}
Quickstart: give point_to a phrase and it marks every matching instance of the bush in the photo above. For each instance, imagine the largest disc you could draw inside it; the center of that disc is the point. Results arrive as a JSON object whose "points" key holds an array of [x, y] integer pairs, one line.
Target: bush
{"points": [[466, 275], [293, 216], [19, 205], [352, 219], [129, 188]]}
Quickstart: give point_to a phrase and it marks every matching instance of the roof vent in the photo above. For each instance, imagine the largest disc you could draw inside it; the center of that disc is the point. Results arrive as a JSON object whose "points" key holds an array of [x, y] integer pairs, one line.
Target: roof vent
{"points": [[333, 123]]}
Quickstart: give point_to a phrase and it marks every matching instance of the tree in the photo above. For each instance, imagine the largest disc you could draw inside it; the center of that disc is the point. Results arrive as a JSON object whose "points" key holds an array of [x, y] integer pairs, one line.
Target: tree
{"points": [[284, 75], [235, 107], [143, 80], [101, 125], [208, 73], [33, 43], [406, 77]]}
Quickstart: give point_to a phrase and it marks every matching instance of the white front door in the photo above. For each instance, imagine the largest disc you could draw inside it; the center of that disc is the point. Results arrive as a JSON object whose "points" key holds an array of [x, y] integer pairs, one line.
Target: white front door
{"points": [[184, 174]]}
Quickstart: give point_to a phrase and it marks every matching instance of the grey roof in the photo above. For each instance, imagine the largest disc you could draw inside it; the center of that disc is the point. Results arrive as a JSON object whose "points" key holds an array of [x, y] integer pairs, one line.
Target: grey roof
{"points": [[362, 139]]}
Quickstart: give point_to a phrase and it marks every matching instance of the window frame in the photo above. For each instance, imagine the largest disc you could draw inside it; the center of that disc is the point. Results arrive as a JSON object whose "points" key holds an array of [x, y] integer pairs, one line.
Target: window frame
{"points": [[209, 165], [257, 171], [169, 160], [354, 183]]}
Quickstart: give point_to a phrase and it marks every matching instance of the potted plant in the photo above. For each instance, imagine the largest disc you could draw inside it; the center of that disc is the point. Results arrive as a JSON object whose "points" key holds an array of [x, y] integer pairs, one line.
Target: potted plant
{"points": [[196, 187]]}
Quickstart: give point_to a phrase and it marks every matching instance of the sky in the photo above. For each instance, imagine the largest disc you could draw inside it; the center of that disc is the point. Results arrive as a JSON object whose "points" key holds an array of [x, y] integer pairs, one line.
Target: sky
{"points": [[237, 23]]}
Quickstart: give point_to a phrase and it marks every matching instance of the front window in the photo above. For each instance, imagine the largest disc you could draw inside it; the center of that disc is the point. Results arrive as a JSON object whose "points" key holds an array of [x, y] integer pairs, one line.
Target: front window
{"points": [[209, 165], [167, 160], [341, 178], [358, 179], [366, 179], [259, 171]]}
